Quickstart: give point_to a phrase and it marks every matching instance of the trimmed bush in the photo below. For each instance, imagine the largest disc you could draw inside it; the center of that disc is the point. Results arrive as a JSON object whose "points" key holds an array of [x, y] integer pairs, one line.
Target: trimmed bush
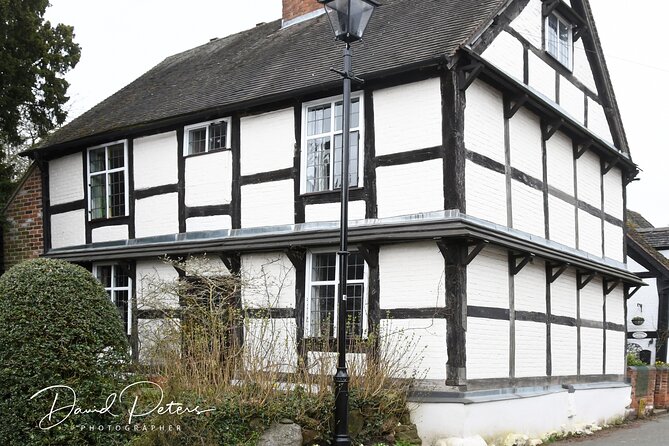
{"points": [[58, 327]]}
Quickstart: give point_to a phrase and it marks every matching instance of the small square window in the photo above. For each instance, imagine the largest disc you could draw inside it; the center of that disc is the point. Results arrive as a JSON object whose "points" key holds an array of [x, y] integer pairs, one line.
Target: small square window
{"points": [[207, 137], [559, 39]]}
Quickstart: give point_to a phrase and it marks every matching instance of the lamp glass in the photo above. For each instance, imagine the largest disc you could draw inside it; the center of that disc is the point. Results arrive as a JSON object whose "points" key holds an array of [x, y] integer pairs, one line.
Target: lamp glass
{"points": [[350, 18]]}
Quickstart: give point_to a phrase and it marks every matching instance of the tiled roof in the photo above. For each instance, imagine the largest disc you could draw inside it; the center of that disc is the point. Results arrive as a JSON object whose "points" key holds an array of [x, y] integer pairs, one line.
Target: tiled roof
{"points": [[270, 62], [638, 221], [658, 238]]}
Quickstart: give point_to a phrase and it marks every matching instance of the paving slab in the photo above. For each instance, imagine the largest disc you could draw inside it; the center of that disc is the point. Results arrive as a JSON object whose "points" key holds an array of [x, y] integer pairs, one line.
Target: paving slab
{"points": [[651, 432]]}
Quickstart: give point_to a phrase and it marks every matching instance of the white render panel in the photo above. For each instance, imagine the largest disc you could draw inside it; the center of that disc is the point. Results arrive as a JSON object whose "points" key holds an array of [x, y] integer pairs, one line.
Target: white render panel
{"points": [[155, 279], [530, 349], [529, 23], [592, 351], [633, 266], [212, 223], [562, 221], [155, 160], [209, 179], [613, 193], [597, 122], [572, 100], [151, 336], [614, 238], [615, 352], [332, 211], [563, 295], [530, 288], [270, 345], [109, 233], [615, 306], [525, 141], [411, 276], [592, 301], [528, 209], [268, 280], [68, 229], [582, 69], [487, 348], [268, 204], [647, 297], [506, 53], [157, 215], [542, 77], [488, 279], [267, 141], [560, 162], [416, 347], [66, 179], [408, 117], [485, 193], [484, 121], [564, 350], [589, 233], [410, 188]]}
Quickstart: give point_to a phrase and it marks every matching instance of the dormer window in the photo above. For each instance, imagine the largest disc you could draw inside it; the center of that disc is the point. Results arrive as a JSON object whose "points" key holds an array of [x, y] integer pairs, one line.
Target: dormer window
{"points": [[559, 39], [207, 137]]}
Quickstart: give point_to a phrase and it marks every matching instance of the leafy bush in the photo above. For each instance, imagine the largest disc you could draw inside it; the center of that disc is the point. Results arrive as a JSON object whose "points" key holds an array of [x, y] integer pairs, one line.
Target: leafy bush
{"points": [[633, 360], [58, 328]]}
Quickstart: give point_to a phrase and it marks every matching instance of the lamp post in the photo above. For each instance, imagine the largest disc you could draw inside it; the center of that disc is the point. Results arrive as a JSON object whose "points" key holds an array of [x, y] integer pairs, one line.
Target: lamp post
{"points": [[348, 19]]}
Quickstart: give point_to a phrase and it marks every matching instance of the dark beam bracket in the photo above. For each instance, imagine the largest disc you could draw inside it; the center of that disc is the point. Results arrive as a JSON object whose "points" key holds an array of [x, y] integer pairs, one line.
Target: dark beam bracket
{"points": [[296, 256], [556, 270], [578, 31], [366, 251], [515, 105], [468, 74], [549, 6], [610, 285], [608, 165], [231, 261], [580, 149], [478, 247], [631, 290], [584, 278], [514, 266], [552, 127]]}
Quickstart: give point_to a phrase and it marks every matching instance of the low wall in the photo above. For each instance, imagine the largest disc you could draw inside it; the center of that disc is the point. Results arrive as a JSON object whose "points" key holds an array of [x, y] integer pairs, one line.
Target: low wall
{"points": [[650, 387]]}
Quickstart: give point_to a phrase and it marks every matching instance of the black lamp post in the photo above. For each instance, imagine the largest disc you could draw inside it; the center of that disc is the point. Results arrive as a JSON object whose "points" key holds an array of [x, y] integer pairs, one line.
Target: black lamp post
{"points": [[348, 18]]}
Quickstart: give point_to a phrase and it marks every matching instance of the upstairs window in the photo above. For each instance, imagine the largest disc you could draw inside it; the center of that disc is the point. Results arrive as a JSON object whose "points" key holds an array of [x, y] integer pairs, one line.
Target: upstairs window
{"points": [[559, 39], [207, 137], [322, 288], [108, 181], [323, 143], [114, 278]]}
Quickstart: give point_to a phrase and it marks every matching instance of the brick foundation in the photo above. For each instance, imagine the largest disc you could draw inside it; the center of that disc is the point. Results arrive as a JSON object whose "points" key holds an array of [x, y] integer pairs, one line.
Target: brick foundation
{"points": [[662, 388], [22, 234], [296, 8]]}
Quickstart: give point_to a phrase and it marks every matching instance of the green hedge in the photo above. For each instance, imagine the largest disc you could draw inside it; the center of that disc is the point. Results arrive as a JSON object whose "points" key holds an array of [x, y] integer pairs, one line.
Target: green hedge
{"points": [[57, 327]]}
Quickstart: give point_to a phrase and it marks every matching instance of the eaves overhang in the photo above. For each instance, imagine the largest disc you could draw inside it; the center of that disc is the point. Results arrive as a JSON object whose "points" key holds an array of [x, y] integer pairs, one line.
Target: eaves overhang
{"points": [[426, 226]]}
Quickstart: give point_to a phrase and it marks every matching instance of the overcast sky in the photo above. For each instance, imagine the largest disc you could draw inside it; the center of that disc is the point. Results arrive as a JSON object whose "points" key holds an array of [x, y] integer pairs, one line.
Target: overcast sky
{"points": [[122, 39]]}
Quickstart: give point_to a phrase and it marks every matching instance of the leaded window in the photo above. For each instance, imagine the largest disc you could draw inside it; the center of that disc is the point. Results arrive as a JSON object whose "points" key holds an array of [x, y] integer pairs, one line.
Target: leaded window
{"points": [[114, 278], [559, 39], [107, 181], [207, 137]]}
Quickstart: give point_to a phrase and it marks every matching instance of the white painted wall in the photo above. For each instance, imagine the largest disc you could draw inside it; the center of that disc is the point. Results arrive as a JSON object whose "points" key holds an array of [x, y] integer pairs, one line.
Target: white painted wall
{"points": [[530, 349], [613, 193], [648, 298], [212, 223], [560, 162], [152, 335], [529, 23], [564, 350], [68, 229], [542, 77], [589, 179], [525, 142], [589, 233], [154, 278], [157, 215], [572, 100], [530, 288], [485, 193], [582, 69], [506, 53], [597, 121], [66, 179], [268, 280], [109, 233], [268, 204], [267, 141], [411, 276], [487, 348], [270, 345], [592, 300], [410, 188], [592, 351], [155, 160], [491, 264], [562, 221], [417, 347], [563, 294], [408, 117], [613, 241], [528, 209], [208, 179], [331, 211], [484, 121]]}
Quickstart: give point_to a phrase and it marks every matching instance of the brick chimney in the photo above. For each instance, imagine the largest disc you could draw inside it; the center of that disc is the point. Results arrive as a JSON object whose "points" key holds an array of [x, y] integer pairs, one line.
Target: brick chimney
{"points": [[296, 8]]}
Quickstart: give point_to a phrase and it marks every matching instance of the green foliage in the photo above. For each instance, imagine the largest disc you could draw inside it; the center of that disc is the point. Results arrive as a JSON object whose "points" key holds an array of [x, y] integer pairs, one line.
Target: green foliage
{"points": [[58, 328], [660, 364], [634, 361]]}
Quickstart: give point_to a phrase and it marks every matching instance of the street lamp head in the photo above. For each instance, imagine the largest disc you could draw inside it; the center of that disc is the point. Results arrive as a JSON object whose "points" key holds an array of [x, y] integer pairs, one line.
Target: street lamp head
{"points": [[349, 18]]}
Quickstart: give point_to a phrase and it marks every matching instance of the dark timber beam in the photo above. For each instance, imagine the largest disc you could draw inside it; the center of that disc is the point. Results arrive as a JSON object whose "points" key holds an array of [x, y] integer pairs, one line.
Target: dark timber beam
{"points": [[518, 261], [232, 261], [608, 165], [549, 6], [580, 149], [630, 290], [515, 105], [468, 74], [551, 127], [296, 256], [478, 247], [370, 253], [584, 278], [578, 32], [610, 285], [556, 270]]}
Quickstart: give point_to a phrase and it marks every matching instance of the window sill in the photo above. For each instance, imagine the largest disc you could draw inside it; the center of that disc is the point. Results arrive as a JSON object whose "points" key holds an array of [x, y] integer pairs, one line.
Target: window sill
{"points": [[333, 196], [193, 155], [113, 221]]}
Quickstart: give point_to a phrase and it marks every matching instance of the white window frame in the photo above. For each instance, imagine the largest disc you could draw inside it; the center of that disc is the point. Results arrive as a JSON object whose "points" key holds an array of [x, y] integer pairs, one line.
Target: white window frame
{"points": [[361, 143], [309, 283], [114, 288], [106, 172], [206, 125], [570, 34]]}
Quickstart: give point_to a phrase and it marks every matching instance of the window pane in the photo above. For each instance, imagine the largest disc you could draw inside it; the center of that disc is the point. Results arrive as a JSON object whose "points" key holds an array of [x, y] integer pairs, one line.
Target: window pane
{"points": [[319, 120], [218, 136], [318, 164], [104, 275], [116, 156], [354, 301], [197, 140], [355, 114], [120, 277], [96, 160], [117, 194], [121, 302], [322, 310], [98, 196], [356, 267], [552, 36], [323, 267], [564, 43], [353, 160]]}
